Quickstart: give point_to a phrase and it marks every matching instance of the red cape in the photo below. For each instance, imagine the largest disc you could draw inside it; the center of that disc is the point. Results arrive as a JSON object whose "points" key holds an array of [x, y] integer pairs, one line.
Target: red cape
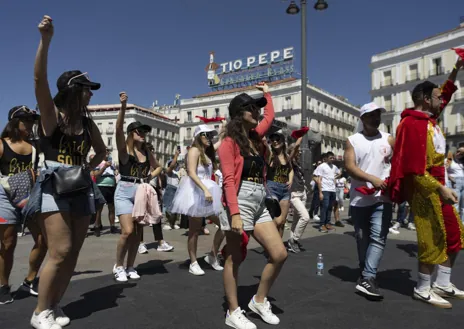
{"points": [[409, 153]]}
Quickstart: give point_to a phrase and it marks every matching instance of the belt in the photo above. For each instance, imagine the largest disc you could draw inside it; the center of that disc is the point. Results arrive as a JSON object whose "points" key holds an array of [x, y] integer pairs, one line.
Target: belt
{"points": [[135, 179], [253, 180]]}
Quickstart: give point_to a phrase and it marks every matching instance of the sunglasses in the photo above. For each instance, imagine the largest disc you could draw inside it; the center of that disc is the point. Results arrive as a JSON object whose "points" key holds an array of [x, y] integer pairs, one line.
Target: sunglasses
{"points": [[141, 132], [275, 139]]}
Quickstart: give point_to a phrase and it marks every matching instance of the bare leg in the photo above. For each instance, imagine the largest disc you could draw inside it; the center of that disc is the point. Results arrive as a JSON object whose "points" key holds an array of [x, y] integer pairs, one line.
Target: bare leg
{"points": [[231, 266], [57, 231], [38, 252], [111, 213], [127, 230], [218, 237], [282, 219], [194, 230], [268, 237], [134, 242], [9, 237]]}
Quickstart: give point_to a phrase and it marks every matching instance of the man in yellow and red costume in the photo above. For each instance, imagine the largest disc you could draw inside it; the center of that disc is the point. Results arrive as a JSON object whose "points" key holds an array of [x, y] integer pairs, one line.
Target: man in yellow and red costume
{"points": [[418, 176]]}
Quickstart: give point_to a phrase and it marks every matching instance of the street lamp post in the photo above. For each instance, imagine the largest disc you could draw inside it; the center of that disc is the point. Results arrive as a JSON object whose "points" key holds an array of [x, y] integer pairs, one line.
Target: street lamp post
{"points": [[306, 155]]}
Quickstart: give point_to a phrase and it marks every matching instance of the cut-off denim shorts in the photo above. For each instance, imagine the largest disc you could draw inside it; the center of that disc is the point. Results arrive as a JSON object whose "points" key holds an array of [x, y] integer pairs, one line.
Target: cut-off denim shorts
{"points": [[278, 190]]}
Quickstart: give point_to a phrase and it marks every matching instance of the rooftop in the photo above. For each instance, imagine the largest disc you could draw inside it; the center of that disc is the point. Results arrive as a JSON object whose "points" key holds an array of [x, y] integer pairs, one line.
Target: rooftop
{"points": [[117, 107]]}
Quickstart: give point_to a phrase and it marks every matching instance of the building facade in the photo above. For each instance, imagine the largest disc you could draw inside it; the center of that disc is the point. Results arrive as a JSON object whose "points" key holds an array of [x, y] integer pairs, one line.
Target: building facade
{"points": [[396, 72], [164, 134], [330, 116]]}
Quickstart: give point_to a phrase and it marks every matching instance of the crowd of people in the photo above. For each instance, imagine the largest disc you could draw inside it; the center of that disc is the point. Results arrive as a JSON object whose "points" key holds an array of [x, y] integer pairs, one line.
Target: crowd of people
{"points": [[246, 182]]}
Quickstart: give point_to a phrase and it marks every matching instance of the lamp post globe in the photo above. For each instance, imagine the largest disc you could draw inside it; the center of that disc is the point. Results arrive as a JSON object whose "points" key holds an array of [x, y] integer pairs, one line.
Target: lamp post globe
{"points": [[321, 5], [293, 9]]}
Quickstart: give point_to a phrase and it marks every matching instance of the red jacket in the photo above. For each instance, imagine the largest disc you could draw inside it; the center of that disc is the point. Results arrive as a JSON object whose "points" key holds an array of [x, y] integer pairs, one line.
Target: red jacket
{"points": [[232, 160]]}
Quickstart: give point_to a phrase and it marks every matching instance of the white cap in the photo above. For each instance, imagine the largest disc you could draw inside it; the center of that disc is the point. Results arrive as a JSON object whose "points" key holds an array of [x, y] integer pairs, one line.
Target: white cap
{"points": [[371, 107], [204, 129]]}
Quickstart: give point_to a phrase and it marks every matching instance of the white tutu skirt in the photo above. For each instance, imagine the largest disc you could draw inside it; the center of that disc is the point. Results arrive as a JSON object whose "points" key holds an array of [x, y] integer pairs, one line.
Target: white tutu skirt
{"points": [[190, 199]]}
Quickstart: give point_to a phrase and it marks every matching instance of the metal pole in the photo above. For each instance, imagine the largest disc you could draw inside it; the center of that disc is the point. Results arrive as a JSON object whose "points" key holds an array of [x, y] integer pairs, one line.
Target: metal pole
{"points": [[305, 151]]}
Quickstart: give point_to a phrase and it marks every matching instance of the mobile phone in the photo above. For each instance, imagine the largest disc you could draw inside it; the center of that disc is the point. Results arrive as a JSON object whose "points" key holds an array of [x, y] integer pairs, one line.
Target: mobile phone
{"points": [[178, 148]]}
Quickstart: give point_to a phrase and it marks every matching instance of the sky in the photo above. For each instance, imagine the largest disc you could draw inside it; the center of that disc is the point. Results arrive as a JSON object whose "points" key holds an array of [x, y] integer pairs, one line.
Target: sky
{"points": [[155, 49]]}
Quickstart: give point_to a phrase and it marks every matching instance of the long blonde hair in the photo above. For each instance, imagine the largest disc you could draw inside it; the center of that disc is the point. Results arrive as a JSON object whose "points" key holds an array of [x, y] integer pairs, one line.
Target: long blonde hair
{"points": [[204, 152]]}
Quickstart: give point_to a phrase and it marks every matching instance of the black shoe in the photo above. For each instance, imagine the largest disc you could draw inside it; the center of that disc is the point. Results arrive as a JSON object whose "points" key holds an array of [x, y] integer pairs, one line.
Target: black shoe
{"points": [[339, 224], [97, 232], [5, 295], [369, 288], [293, 246], [113, 230], [31, 287]]}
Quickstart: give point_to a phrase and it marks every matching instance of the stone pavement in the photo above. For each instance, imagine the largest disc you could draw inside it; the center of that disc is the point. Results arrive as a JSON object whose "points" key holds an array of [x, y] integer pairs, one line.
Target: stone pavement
{"points": [[98, 254]]}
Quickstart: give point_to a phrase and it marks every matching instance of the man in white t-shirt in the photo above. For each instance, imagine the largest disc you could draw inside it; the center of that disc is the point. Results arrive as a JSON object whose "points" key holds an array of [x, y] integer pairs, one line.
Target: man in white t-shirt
{"points": [[367, 160], [327, 173]]}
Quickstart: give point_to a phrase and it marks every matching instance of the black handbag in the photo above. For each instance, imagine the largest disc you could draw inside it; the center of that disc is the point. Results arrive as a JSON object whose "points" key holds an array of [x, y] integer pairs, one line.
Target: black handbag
{"points": [[72, 180], [273, 206]]}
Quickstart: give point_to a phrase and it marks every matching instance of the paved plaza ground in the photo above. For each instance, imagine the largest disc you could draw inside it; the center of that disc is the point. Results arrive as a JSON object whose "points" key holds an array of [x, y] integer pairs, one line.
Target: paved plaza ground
{"points": [[168, 296]]}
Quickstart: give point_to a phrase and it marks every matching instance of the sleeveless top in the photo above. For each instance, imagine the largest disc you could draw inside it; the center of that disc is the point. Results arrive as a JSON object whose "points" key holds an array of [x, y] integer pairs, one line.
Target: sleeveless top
{"points": [[134, 168], [12, 163], [279, 173], [67, 149], [372, 155], [205, 172]]}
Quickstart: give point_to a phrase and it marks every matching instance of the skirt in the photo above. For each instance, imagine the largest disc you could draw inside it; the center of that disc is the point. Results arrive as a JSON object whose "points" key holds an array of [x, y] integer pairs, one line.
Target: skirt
{"points": [[190, 199]]}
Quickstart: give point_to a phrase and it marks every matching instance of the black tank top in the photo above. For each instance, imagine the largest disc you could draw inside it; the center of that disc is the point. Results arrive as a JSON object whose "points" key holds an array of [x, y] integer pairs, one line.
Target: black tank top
{"points": [[134, 168], [66, 149], [279, 173], [12, 163]]}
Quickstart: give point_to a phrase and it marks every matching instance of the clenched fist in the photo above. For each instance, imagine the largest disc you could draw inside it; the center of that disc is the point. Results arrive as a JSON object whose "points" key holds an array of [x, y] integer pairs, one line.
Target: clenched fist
{"points": [[46, 27]]}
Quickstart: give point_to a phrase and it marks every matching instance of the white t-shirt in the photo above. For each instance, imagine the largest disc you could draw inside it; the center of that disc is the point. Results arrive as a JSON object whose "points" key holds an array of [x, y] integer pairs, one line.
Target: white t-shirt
{"points": [[455, 170], [218, 174], [340, 183], [327, 174]]}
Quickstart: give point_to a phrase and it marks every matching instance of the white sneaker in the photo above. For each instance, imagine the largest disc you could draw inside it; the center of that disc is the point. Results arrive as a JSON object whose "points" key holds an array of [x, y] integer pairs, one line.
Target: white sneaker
{"points": [[119, 274], [60, 317], [167, 227], [448, 292], [143, 248], [213, 261], [116, 220], [238, 320], [264, 310], [44, 320], [164, 247], [395, 229], [132, 273], [176, 227], [195, 269], [411, 227], [342, 209], [316, 217], [430, 297]]}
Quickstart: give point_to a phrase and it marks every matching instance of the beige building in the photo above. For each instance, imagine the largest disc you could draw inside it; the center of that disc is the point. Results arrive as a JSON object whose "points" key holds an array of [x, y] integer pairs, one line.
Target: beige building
{"points": [[333, 117], [164, 134], [396, 72]]}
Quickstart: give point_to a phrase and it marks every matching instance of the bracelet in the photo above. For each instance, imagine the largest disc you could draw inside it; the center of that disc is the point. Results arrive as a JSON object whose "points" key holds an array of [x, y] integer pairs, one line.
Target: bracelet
{"points": [[455, 67]]}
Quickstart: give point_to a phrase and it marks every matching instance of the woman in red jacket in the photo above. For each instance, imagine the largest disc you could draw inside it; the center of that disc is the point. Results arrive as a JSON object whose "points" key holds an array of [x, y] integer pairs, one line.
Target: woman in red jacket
{"points": [[242, 155]]}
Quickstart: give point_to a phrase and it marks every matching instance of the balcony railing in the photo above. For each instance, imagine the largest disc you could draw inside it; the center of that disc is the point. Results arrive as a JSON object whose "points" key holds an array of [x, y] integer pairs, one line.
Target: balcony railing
{"points": [[110, 131], [386, 82], [413, 76], [389, 108], [409, 105], [439, 70], [460, 130]]}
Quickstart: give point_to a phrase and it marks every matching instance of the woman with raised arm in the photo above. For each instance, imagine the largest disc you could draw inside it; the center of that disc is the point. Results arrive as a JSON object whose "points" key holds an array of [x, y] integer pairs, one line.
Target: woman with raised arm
{"points": [[16, 156], [65, 203], [198, 196], [242, 155], [137, 165]]}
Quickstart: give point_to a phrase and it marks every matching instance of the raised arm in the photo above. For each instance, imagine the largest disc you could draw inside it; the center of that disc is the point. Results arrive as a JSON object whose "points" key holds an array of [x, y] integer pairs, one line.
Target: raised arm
{"points": [[173, 163], [269, 114], [120, 138], [48, 112], [221, 137], [448, 88], [296, 149]]}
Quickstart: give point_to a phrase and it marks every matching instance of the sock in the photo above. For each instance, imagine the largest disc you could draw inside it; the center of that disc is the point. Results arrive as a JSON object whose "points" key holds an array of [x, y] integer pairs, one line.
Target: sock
{"points": [[443, 276], [423, 282]]}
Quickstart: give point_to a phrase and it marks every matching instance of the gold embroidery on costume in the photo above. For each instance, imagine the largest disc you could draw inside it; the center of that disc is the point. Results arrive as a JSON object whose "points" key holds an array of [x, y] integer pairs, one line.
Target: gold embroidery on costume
{"points": [[426, 207]]}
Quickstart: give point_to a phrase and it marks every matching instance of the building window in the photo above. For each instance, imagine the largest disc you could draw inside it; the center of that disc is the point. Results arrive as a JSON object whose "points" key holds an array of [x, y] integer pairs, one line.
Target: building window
{"points": [[189, 132], [413, 72], [437, 67], [205, 113], [388, 102], [387, 78], [110, 141], [389, 129], [189, 116], [216, 111], [288, 119]]}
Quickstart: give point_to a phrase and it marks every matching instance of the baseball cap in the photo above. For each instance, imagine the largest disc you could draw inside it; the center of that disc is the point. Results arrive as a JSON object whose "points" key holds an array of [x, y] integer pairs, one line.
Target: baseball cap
{"points": [[22, 111], [371, 107], [204, 129], [70, 78], [240, 101], [137, 125]]}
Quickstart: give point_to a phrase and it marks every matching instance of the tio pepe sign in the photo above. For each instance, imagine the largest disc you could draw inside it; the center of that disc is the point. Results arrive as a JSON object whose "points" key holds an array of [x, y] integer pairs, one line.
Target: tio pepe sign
{"points": [[272, 57]]}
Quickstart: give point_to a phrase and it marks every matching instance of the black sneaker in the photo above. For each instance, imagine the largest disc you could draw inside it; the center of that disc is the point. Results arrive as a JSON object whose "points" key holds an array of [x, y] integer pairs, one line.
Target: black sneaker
{"points": [[339, 224], [369, 288], [113, 230], [5, 295], [293, 246], [31, 286]]}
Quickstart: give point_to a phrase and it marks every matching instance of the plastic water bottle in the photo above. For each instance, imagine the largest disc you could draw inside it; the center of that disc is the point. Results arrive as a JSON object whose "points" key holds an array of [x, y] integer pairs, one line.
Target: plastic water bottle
{"points": [[320, 265]]}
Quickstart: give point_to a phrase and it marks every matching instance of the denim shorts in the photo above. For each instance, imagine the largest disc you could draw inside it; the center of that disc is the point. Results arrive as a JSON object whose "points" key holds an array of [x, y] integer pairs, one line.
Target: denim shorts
{"points": [[9, 214], [252, 207], [124, 197], [82, 204], [278, 190]]}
